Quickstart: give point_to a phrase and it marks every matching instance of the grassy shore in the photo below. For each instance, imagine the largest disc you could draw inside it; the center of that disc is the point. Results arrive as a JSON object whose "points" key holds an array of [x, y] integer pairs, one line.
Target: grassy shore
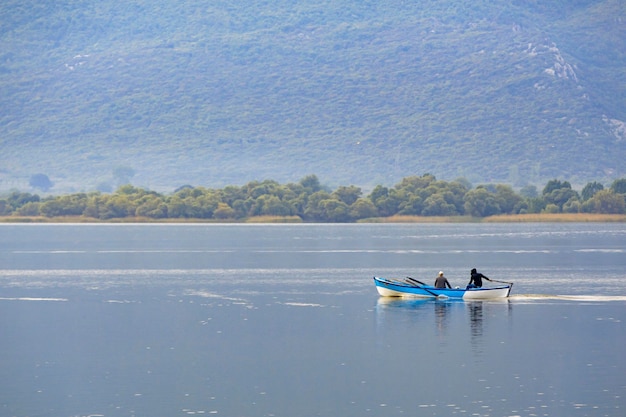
{"points": [[556, 218], [512, 218]]}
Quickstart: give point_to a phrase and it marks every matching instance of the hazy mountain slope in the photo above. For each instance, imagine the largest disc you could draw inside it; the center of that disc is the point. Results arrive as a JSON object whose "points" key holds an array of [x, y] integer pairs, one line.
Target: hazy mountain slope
{"points": [[216, 93]]}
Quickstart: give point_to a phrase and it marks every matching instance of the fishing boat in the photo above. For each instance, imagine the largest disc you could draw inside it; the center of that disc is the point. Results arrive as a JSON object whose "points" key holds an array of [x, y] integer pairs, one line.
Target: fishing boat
{"points": [[411, 287]]}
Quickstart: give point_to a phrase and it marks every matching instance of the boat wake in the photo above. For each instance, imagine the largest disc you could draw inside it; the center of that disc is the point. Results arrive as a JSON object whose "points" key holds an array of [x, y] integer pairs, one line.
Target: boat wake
{"points": [[590, 298]]}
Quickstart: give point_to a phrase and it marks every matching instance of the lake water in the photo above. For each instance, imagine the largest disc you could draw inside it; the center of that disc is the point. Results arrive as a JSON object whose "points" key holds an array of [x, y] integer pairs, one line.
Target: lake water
{"points": [[284, 320]]}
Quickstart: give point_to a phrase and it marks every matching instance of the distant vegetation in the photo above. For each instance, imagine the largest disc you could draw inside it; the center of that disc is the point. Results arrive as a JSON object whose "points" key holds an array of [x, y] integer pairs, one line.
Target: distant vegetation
{"points": [[308, 201]]}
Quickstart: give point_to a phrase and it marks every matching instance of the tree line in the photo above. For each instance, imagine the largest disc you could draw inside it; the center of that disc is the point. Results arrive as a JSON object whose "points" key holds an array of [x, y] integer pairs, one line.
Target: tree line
{"points": [[311, 202]]}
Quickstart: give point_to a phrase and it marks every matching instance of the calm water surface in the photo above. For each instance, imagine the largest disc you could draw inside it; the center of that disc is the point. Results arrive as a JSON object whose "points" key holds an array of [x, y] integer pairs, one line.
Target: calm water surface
{"points": [[284, 320]]}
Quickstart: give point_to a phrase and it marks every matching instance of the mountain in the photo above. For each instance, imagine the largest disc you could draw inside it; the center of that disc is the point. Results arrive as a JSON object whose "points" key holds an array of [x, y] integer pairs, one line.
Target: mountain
{"points": [[360, 93]]}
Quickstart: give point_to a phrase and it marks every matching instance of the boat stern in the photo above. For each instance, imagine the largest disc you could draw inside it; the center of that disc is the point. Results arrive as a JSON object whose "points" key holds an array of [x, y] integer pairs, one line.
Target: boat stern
{"points": [[487, 293]]}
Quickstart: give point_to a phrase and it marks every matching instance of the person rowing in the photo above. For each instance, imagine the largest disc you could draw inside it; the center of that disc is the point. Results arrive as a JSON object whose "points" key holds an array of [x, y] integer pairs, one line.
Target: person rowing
{"points": [[476, 279]]}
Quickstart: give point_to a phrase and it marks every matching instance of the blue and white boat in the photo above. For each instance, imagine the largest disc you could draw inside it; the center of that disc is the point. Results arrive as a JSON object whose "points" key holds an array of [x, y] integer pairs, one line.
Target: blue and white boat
{"points": [[413, 288]]}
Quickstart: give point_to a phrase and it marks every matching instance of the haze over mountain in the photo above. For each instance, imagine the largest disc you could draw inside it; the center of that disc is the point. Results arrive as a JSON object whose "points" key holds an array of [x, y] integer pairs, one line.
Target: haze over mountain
{"points": [[214, 93]]}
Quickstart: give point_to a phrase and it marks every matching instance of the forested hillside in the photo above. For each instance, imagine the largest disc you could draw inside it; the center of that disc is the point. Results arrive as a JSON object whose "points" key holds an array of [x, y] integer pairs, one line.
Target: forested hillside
{"points": [[210, 93]]}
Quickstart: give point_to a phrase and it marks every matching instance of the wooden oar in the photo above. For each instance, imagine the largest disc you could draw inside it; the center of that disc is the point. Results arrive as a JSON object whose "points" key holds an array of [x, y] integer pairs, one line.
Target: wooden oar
{"points": [[421, 285], [415, 281], [502, 282]]}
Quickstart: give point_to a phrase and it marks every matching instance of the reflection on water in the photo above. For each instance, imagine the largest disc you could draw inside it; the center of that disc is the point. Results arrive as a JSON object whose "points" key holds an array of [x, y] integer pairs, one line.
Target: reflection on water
{"points": [[476, 317], [475, 309], [389, 304], [439, 312], [450, 319], [441, 317]]}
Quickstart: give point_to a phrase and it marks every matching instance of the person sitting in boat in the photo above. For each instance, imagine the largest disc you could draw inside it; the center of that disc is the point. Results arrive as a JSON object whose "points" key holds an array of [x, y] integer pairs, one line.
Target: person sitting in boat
{"points": [[441, 281], [476, 279]]}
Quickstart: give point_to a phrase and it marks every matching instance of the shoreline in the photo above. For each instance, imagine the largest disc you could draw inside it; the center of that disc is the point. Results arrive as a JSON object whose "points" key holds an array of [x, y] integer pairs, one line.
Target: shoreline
{"points": [[503, 218], [512, 218]]}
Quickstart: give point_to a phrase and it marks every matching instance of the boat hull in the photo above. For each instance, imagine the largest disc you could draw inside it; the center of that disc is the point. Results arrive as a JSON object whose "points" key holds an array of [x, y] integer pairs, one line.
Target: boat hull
{"points": [[394, 288]]}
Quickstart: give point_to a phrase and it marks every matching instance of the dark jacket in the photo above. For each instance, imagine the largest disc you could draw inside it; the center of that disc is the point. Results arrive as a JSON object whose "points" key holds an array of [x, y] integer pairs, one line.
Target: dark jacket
{"points": [[477, 279]]}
